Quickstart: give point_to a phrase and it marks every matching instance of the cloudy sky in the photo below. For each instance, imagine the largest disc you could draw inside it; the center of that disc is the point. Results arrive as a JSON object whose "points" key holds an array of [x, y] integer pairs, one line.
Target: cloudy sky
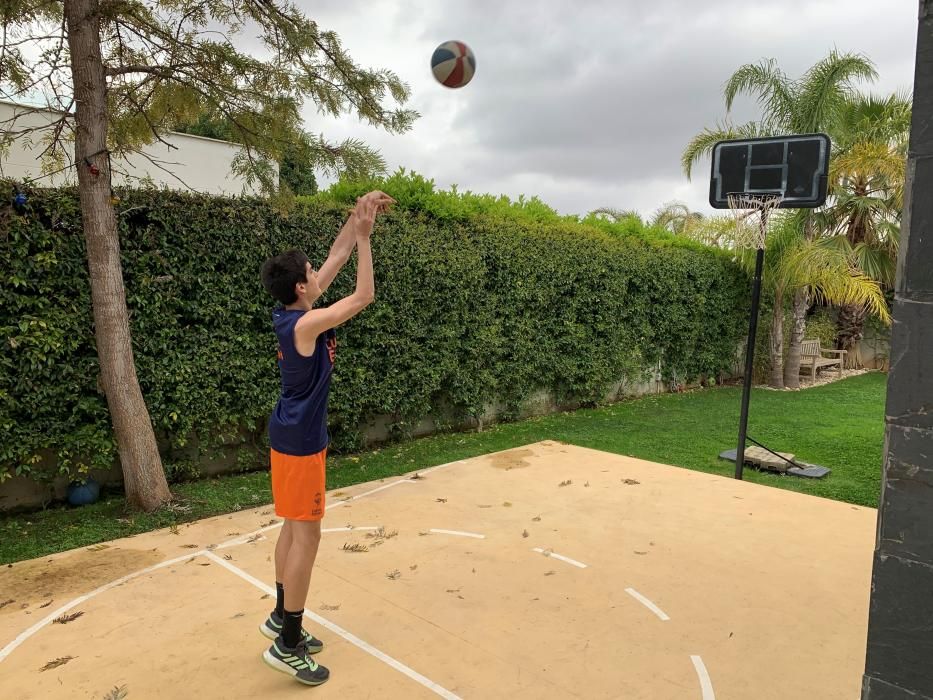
{"points": [[589, 103]]}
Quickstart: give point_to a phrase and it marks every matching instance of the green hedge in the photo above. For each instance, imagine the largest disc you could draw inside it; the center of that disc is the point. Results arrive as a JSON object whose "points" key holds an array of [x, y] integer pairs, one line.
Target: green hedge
{"points": [[478, 299]]}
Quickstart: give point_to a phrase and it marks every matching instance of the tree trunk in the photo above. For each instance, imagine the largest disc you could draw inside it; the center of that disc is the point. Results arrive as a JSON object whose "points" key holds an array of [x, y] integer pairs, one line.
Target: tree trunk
{"points": [[777, 341], [850, 328], [143, 476], [792, 367]]}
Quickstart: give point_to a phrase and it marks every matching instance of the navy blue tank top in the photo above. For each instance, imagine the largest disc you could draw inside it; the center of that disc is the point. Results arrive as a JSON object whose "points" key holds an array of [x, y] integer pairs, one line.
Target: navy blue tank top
{"points": [[298, 425]]}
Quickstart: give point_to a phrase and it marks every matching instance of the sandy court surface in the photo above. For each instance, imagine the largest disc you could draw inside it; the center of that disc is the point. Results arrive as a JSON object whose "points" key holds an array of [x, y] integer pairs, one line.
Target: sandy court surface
{"points": [[543, 571]]}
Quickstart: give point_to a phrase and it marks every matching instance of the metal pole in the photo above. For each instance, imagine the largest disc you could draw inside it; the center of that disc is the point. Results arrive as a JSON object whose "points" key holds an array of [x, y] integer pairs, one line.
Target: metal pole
{"points": [[750, 349]]}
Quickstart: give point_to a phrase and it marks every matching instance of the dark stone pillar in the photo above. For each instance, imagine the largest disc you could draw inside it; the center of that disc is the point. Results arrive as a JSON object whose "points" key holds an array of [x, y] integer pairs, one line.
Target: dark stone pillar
{"points": [[900, 626]]}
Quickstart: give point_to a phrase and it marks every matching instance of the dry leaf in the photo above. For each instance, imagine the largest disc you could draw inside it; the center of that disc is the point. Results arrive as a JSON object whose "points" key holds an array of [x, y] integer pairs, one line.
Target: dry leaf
{"points": [[565, 483], [60, 661], [630, 482], [65, 619], [524, 533], [536, 519], [393, 575], [97, 548], [325, 606], [189, 546], [441, 500], [45, 605], [355, 547]]}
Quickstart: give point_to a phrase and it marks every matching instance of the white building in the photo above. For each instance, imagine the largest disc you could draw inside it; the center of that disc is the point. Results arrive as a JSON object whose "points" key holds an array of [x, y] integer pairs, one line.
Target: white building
{"points": [[191, 162]]}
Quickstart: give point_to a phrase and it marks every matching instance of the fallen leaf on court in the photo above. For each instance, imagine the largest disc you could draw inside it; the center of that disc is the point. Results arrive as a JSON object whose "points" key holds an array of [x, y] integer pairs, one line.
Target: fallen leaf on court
{"points": [[325, 606], [264, 596], [506, 504], [6, 602], [173, 529], [474, 571], [565, 483], [587, 484], [461, 597], [416, 477], [355, 547], [548, 573], [536, 519], [189, 546], [441, 500], [97, 548], [524, 533], [412, 567], [240, 614], [637, 552], [45, 605], [422, 534], [211, 547], [65, 619], [231, 534], [271, 522], [453, 590], [730, 635], [204, 563], [381, 534], [651, 544], [253, 538], [547, 552], [55, 663], [630, 482], [484, 506], [394, 575], [117, 693], [338, 494], [228, 557], [265, 512]]}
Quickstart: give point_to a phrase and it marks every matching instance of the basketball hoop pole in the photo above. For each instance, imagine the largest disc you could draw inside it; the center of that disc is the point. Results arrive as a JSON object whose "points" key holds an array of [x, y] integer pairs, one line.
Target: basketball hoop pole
{"points": [[750, 347]]}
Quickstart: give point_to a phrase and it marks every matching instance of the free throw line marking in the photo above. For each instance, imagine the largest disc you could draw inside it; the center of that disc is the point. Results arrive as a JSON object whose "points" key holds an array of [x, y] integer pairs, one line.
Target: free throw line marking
{"points": [[458, 533], [338, 630], [647, 603], [706, 685], [553, 555]]}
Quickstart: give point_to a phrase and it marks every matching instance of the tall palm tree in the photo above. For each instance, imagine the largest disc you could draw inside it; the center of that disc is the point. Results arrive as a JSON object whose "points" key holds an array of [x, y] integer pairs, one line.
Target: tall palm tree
{"points": [[814, 102], [867, 196]]}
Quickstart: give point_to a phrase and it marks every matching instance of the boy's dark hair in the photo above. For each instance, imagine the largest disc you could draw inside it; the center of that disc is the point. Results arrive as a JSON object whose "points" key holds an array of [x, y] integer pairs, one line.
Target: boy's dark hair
{"points": [[281, 273]]}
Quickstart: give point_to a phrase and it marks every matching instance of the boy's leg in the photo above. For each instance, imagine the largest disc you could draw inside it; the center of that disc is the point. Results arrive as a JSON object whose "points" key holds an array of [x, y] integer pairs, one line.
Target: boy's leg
{"points": [[306, 538]]}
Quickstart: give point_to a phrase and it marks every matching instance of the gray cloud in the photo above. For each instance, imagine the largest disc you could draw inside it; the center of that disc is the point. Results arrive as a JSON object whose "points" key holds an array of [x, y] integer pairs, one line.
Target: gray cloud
{"points": [[590, 104]]}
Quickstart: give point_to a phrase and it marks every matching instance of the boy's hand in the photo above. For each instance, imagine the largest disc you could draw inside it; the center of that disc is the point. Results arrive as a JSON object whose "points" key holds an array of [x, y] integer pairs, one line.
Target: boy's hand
{"points": [[367, 207]]}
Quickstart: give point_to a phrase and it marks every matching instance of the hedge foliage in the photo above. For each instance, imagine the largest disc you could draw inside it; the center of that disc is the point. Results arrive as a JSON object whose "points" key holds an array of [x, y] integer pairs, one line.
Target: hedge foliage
{"points": [[479, 299]]}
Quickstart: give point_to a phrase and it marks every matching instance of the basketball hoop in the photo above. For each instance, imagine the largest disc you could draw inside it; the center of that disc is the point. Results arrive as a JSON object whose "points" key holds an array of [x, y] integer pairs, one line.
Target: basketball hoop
{"points": [[743, 205]]}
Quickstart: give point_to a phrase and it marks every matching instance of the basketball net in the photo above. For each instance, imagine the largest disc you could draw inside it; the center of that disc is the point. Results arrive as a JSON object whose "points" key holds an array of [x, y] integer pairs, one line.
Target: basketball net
{"points": [[748, 232]]}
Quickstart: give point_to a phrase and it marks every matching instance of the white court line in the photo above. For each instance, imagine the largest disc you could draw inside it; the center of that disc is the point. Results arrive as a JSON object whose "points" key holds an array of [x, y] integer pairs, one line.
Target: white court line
{"points": [[381, 488], [348, 529], [706, 685], [23, 636], [647, 603], [458, 533], [337, 629], [547, 553]]}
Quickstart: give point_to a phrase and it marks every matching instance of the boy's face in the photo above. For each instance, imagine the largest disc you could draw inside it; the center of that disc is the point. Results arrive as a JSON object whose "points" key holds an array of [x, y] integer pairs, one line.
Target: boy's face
{"points": [[309, 290]]}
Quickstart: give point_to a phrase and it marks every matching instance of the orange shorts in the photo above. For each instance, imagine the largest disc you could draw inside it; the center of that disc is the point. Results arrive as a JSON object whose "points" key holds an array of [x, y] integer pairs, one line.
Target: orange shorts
{"points": [[298, 485]]}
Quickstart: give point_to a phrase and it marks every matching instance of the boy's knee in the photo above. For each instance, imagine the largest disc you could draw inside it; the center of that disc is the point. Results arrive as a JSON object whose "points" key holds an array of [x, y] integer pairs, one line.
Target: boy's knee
{"points": [[307, 531]]}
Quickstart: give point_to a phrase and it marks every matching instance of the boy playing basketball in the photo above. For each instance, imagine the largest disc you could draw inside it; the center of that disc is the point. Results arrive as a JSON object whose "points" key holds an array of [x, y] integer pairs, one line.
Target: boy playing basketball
{"points": [[298, 425]]}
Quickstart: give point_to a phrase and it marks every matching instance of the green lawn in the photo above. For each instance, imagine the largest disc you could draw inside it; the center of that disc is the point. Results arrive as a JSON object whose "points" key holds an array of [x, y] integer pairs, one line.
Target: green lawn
{"points": [[839, 425]]}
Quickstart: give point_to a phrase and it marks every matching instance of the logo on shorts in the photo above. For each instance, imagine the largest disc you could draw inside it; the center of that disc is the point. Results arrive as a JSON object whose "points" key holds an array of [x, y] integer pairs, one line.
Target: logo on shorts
{"points": [[317, 498]]}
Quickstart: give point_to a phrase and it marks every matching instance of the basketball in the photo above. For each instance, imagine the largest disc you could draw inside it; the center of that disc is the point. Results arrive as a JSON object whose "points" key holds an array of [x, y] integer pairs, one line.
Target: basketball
{"points": [[453, 64]]}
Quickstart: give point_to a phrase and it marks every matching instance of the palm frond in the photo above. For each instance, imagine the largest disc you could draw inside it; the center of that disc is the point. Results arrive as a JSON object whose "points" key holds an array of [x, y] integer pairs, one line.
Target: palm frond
{"points": [[768, 83], [824, 88]]}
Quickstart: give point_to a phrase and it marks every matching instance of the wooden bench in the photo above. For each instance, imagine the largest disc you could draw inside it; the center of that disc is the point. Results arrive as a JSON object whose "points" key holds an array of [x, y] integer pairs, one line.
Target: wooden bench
{"points": [[811, 357]]}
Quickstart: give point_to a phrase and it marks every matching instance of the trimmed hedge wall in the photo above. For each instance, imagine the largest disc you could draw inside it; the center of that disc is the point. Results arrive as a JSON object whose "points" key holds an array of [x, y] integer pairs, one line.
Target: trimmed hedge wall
{"points": [[478, 300]]}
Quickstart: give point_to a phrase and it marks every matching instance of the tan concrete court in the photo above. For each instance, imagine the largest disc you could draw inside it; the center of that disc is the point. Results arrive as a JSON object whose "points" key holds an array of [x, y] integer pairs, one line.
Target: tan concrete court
{"points": [[682, 585]]}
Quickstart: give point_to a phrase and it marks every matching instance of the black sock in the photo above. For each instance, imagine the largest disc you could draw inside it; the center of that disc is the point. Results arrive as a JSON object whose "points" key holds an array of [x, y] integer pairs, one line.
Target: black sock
{"points": [[279, 599], [291, 628]]}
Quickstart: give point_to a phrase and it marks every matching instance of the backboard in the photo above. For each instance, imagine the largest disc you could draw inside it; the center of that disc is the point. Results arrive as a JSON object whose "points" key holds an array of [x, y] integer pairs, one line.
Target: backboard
{"points": [[796, 168]]}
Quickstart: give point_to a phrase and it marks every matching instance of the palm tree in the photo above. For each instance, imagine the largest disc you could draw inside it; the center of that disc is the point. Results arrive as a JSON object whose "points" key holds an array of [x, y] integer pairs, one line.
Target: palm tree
{"points": [[867, 188], [676, 217], [814, 102]]}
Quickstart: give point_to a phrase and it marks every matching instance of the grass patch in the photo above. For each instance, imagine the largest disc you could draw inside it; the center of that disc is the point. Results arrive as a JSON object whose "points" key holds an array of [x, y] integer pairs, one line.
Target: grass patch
{"points": [[839, 425]]}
